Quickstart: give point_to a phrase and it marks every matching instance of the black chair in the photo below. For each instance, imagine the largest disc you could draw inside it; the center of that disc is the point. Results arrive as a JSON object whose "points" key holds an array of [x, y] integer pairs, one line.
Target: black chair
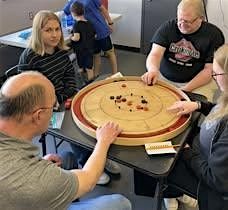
{"points": [[196, 96], [17, 69], [12, 71], [9, 56]]}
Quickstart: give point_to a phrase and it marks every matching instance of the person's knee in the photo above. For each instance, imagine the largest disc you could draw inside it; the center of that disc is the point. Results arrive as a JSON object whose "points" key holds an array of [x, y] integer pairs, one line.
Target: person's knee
{"points": [[68, 160], [110, 52], [123, 202]]}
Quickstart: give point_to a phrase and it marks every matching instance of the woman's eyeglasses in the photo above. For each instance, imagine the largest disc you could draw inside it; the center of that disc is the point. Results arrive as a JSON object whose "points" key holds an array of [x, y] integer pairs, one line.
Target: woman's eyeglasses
{"points": [[214, 75]]}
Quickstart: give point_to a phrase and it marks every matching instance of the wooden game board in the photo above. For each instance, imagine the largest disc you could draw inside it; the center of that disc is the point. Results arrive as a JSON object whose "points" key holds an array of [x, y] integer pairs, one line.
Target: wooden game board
{"points": [[140, 110]]}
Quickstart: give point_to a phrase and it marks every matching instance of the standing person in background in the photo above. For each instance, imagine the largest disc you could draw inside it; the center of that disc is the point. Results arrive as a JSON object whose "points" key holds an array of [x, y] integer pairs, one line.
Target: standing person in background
{"points": [[182, 50], [83, 40], [96, 13], [105, 4], [48, 54], [31, 182]]}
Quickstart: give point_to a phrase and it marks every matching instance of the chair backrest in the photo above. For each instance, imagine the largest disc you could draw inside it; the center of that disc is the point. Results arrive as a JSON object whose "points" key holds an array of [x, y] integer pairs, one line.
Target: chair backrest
{"points": [[12, 71], [17, 69], [196, 96]]}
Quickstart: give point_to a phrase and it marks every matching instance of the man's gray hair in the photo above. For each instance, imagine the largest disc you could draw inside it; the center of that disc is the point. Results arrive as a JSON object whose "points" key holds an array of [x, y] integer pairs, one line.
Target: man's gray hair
{"points": [[196, 4]]}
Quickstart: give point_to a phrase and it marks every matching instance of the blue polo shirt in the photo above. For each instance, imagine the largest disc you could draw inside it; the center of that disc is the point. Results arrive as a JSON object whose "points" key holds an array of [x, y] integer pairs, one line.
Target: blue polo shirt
{"points": [[93, 14]]}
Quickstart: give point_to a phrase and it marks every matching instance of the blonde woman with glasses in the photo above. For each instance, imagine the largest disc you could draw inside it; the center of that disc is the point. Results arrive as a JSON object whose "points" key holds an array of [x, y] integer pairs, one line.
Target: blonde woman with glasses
{"points": [[201, 172]]}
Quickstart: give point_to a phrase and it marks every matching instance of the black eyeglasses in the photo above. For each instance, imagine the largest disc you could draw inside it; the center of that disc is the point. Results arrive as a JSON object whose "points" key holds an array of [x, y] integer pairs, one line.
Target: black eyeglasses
{"points": [[214, 75], [188, 22]]}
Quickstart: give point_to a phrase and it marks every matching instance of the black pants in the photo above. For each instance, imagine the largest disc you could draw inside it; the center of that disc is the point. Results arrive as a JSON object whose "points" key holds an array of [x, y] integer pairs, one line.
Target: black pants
{"points": [[81, 154], [180, 180]]}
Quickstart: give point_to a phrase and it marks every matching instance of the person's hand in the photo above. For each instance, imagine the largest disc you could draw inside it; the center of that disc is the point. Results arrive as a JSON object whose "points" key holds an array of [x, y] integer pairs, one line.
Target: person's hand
{"points": [[183, 107], [72, 37], [150, 77], [111, 28], [53, 158], [108, 133]]}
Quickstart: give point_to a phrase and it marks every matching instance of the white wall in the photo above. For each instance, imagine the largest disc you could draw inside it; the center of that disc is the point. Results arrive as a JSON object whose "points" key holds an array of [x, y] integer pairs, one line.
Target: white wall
{"points": [[218, 15], [127, 31], [18, 14]]}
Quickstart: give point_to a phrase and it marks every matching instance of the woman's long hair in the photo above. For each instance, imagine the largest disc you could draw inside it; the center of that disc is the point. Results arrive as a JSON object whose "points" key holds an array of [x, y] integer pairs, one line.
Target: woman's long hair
{"points": [[40, 20], [221, 57]]}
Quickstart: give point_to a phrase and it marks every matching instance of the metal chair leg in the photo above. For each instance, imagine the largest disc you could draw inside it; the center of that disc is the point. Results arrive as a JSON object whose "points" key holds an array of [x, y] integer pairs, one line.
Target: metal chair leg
{"points": [[42, 140]]}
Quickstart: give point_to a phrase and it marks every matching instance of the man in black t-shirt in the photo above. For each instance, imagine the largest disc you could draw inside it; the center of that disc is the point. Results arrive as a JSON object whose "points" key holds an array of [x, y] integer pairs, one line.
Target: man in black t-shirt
{"points": [[182, 49]]}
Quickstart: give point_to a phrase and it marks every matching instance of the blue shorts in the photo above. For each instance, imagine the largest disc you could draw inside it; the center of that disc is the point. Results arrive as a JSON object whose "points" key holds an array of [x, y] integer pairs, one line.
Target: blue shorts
{"points": [[103, 45]]}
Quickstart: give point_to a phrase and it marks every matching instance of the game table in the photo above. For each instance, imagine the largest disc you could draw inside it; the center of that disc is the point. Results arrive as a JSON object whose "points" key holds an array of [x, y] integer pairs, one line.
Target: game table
{"points": [[134, 157], [139, 109]]}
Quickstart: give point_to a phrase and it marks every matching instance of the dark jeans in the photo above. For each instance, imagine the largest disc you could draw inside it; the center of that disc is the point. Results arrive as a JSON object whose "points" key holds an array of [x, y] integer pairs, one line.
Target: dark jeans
{"points": [[68, 160], [81, 155]]}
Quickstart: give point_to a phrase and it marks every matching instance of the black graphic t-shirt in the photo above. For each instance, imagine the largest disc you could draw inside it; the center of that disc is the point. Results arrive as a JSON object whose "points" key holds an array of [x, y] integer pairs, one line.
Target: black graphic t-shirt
{"points": [[186, 54]]}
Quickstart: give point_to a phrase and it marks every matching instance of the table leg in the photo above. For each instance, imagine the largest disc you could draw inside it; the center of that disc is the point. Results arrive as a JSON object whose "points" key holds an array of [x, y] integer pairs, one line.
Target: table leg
{"points": [[57, 144], [42, 140], [158, 194]]}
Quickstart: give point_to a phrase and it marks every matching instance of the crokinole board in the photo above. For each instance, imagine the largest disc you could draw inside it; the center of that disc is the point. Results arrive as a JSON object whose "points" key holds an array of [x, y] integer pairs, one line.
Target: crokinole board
{"points": [[139, 109]]}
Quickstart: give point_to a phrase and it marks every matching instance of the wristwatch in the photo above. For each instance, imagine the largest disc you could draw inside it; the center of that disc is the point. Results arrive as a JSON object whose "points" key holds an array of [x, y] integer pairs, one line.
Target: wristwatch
{"points": [[111, 23], [198, 104]]}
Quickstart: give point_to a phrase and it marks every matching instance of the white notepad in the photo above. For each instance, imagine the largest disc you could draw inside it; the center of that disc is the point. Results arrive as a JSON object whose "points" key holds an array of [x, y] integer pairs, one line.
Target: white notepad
{"points": [[116, 75], [165, 147], [56, 120]]}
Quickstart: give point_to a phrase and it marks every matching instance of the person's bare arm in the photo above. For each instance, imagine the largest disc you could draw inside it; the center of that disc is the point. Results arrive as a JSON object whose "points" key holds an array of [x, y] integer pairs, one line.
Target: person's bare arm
{"points": [[92, 170], [184, 107], [202, 78], [153, 64], [106, 15], [75, 37]]}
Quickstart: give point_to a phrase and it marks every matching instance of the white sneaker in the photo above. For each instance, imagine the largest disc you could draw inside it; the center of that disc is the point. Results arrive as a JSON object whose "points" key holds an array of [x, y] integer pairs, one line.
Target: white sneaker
{"points": [[112, 167], [171, 203], [104, 179], [189, 201]]}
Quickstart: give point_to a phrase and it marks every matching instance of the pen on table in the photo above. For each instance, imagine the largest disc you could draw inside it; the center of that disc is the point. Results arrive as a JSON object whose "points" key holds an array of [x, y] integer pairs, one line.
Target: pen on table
{"points": [[162, 146]]}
